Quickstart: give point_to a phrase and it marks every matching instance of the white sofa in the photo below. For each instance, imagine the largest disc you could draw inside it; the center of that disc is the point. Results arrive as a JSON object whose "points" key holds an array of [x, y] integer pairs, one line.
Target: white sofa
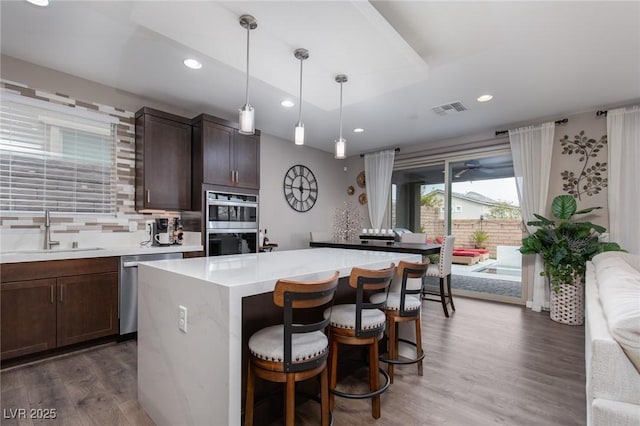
{"points": [[612, 339]]}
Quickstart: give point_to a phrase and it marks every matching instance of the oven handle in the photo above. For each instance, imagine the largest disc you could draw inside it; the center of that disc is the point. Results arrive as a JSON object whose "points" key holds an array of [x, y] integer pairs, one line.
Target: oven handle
{"points": [[232, 204]]}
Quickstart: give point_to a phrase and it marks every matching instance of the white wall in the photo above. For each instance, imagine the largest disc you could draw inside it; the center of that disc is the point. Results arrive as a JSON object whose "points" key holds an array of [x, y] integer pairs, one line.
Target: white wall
{"points": [[287, 227]]}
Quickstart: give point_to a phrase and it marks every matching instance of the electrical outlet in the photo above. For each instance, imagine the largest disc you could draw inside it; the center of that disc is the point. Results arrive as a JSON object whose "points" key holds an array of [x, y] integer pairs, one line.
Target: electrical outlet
{"points": [[149, 226], [133, 226], [182, 320]]}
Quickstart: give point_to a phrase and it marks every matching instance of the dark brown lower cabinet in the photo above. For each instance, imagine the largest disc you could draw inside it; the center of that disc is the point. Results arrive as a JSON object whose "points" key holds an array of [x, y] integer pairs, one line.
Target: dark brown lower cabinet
{"points": [[47, 305], [28, 314], [87, 307]]}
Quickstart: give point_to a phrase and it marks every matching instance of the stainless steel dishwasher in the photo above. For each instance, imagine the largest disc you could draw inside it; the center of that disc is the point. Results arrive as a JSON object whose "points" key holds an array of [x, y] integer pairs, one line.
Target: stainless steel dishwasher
{"points": [[128, 287]]}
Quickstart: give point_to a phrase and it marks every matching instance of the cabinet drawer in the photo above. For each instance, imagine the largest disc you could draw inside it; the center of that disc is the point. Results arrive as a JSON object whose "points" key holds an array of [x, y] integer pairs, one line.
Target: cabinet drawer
{"points": [[57, 268]]}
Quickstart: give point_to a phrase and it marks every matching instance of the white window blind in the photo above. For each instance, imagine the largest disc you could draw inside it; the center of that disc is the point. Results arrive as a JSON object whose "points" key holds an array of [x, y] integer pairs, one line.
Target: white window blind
{"points": [[55, 158]]}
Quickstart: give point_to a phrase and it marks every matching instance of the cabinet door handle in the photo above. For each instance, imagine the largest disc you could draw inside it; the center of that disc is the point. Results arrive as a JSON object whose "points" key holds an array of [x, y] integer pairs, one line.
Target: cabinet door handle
{"points": [[52, 288], [62, 293], [148, 196], [236, 176]]}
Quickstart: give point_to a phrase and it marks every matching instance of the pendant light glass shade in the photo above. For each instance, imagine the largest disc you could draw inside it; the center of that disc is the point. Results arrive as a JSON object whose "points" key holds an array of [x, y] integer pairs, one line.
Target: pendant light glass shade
{"points": [[298, 137], [341, 148], [341, 143], [247, 120], [299, 134], [247, 113]]}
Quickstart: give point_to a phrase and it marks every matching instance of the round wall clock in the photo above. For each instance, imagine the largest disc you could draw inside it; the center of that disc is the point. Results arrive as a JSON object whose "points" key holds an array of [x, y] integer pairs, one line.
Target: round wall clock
{"points": [[300, 188]]}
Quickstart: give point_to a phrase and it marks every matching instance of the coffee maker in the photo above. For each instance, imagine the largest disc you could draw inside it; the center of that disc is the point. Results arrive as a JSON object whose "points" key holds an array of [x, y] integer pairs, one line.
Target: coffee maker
{"points": [[167, 231], [160, 235]]}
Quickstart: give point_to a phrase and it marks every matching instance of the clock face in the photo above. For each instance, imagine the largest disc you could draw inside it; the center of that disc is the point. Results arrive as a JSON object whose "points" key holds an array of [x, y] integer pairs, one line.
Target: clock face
{"points": [[300, 188]]}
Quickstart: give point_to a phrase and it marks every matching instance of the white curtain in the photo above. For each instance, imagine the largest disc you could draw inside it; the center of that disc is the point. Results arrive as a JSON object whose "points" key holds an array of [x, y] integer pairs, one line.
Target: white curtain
{"points": [[531, 148], [623, 134], [377, 170]]}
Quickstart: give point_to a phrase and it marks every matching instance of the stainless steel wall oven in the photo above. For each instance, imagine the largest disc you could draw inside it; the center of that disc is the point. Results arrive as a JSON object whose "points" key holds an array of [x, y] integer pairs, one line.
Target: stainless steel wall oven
{"points": [[231, 223]]}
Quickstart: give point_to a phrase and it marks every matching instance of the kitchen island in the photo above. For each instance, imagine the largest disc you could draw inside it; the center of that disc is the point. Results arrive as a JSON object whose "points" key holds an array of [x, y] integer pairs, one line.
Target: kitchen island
{"points": [[194, 377]]}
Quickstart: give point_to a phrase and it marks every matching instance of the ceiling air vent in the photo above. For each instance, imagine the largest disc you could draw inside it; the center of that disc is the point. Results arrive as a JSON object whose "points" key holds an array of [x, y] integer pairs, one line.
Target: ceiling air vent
{"points": [[451, 108]]}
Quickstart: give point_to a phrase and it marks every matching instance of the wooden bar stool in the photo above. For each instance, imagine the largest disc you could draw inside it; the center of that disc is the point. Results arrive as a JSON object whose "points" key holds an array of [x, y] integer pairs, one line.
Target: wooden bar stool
{"points": [[402, 306], [293, 351], [363, 324]]}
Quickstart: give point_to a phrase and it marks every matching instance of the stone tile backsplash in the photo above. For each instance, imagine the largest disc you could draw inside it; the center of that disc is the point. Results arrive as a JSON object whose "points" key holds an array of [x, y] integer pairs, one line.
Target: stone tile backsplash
{"points": [[25, 230]]}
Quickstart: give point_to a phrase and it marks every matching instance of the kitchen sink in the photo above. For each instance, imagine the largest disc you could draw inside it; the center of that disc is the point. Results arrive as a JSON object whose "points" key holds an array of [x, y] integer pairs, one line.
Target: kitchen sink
{"points": [[42, 251]]}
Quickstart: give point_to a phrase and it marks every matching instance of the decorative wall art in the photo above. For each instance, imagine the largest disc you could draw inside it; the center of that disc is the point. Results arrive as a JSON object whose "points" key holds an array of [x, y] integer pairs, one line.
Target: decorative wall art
{"points": [[346, 223], [351, 190], [363, 198], [591, 177], [361, 180]]}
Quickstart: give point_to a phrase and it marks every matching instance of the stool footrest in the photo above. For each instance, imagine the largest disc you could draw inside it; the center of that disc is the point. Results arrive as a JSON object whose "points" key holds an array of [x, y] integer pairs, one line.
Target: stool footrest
{"points": [[371, 394], [402, 361]]}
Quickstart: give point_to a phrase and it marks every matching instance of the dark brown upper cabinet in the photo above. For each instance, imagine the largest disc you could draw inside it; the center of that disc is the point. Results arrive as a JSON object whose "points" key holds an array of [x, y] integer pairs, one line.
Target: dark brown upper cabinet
{"points": [[224, 157], [163, 161]]}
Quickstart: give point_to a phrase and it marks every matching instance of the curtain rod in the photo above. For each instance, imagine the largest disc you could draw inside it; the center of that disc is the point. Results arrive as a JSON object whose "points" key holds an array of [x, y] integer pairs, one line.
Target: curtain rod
{"points": [[557, 123], [602, 112], [395, 149]]}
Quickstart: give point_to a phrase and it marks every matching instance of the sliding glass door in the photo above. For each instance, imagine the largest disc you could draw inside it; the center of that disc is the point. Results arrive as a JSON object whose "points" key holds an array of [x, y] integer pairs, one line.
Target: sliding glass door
{"points": [[473, 198]]}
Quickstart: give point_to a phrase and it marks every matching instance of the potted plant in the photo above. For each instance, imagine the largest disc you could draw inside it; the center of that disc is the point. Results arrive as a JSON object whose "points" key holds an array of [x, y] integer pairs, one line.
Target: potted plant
{"points": [[565, 247], [479, 237]]}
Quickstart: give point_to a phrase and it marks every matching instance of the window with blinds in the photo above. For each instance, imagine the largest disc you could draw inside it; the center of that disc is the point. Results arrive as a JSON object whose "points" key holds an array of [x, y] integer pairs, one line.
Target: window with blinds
{"points": [[55, 158]]}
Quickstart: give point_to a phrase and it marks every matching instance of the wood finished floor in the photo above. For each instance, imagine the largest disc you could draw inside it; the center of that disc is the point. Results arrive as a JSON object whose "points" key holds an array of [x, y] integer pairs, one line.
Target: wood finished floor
{"points": [[489, 364]]}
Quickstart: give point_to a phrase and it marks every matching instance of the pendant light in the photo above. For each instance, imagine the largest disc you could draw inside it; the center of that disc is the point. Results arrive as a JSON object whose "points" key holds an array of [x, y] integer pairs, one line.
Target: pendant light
{"points": [[298, 138], [247, 117], [341, 143]]}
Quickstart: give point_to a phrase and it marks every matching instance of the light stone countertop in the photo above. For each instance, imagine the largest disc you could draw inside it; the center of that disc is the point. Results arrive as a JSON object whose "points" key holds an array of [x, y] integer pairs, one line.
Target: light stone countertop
{"points": [[238, 272], [21, 256]]}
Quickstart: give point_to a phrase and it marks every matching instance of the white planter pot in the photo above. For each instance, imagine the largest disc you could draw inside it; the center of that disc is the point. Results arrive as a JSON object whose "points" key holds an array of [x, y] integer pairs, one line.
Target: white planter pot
{"points": [[567, 305]]}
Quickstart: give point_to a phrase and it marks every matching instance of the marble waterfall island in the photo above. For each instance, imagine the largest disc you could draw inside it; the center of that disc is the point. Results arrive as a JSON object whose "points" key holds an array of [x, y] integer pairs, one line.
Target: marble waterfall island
{"points": [[194, 377]]}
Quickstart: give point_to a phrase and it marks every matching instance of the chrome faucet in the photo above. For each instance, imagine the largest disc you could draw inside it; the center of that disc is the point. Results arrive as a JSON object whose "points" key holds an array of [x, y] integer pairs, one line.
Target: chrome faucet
{"points": [[47, 232]]}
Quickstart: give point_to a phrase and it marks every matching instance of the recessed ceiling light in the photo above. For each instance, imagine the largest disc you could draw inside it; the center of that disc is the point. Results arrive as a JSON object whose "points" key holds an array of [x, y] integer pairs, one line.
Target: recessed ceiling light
{"points": [[41, 3], [358, 130], [287, 103], [484, 98], [192, 63]]}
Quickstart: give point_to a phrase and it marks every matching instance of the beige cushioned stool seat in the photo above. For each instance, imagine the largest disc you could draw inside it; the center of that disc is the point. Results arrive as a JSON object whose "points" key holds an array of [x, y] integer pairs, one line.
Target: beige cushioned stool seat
{"points": [[344, 316], [411, 303], [268, 344]]}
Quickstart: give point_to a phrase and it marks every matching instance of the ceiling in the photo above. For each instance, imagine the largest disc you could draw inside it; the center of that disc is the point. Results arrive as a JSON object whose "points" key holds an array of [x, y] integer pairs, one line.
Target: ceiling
{"points": [[538, 60]]}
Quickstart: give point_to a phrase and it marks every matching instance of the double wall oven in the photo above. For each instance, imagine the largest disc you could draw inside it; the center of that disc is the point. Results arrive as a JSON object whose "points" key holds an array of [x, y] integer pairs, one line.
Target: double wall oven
{"points": [[231, 223]]}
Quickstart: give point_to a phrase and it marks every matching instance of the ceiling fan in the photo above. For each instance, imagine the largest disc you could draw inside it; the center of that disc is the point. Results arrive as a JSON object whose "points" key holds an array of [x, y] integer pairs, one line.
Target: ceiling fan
{"points": [[473, 165]]}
